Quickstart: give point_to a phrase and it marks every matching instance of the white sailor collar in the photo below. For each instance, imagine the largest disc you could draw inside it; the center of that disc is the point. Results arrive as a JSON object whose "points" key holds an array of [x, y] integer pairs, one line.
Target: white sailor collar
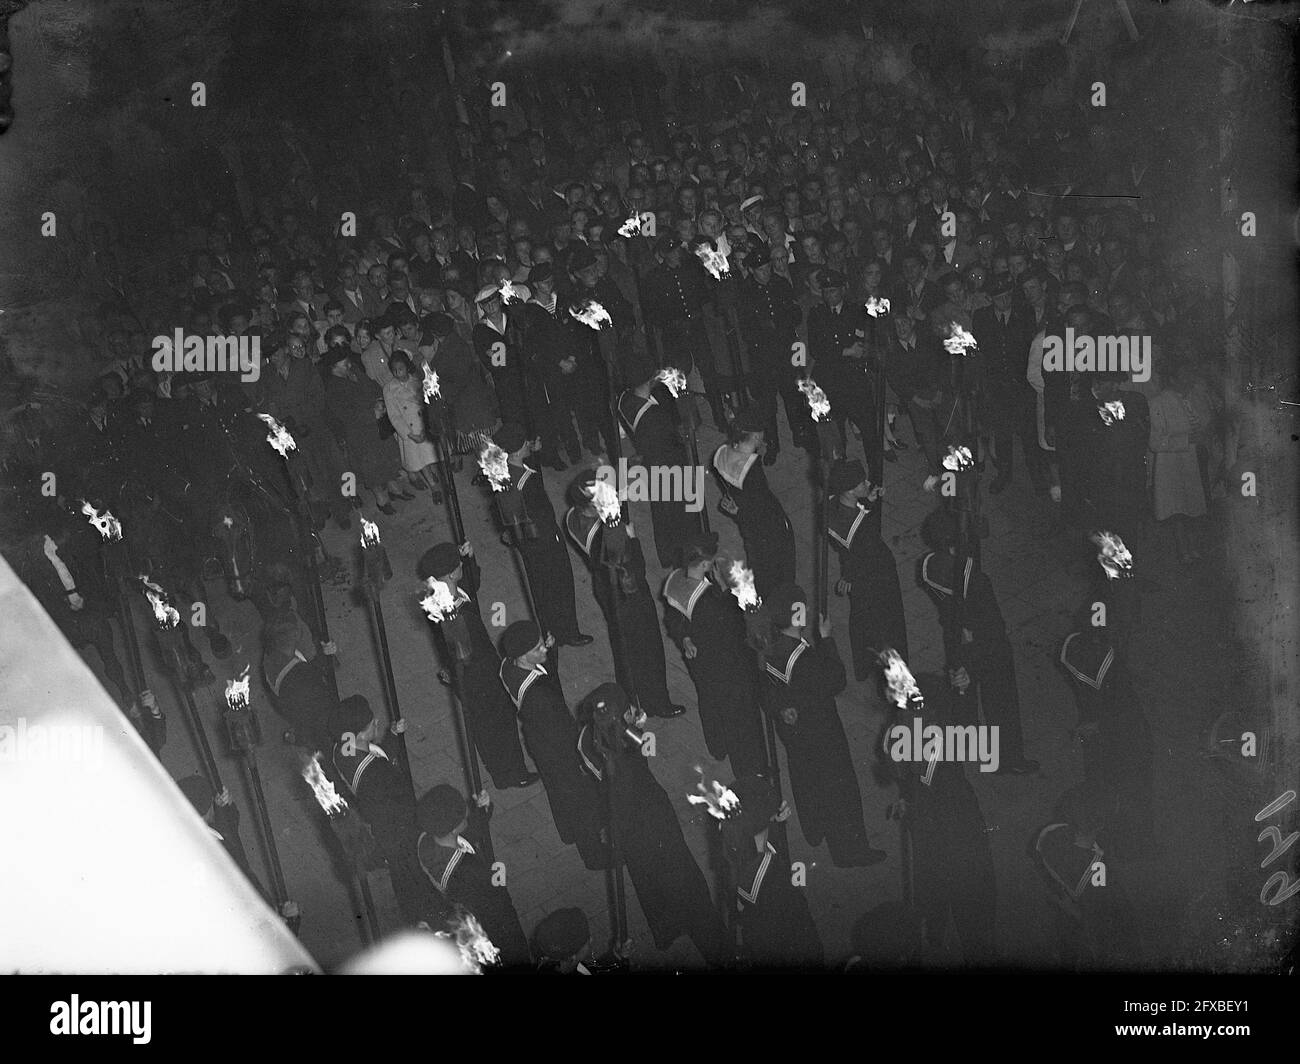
{"points": [[751, 893], [733, 466], [787, 672], [846, 540], [930, 582], [685, 607]]}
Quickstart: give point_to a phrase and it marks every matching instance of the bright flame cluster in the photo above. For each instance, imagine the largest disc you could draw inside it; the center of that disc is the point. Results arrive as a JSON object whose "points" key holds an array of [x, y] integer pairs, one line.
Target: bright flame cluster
{"points": [[1111, 412], [1115, 558], [495, 464], [166, 615], [958, 458], [321, 788], [672, 379], [899, 681], [959, 341], [741, 579], [105, 523], [278, 437], [432, 390], [511, 292], [369, 533], [591, 314], [471, 940], [817, 401], [438, 604], [237, 691], [605, 499], [720, 802], [877, 307], [630, 228], [714, 261]]}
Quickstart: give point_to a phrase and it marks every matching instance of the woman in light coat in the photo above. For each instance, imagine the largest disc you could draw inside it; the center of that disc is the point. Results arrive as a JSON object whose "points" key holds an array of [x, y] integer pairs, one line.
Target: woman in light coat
{"points": [[1177, 491]]}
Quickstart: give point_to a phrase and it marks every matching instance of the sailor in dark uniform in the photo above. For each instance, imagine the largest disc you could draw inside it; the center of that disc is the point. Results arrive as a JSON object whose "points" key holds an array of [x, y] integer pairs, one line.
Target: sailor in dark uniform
{"points": [[381, 791], [705, 622], [982, 646], [550, 575], [764, 527], [1118, 457], [868, 571], [553, 354], [459, 871], [803, 681], [647, 412], [618, 581], [501, 355], [490, 713], [562, 945], [221, 815], [952, 865], [551, 738], [837, 343], [668, 882], [776, 925]]}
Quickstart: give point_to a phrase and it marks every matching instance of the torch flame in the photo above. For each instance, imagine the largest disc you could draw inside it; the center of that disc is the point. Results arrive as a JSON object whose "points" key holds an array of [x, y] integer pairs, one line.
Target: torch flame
{"points": [[432, 390], [495, 464], [167, 616], [672, 379], [369, 533], [591, 314], [511, 292], [817, 401], [959, 340], [1115, 558], [1111, 412], [471, 940], [605, 499], [958, 458], [321, 788], [278, 437], [720, 802], [438, 604], [630, 228], [877, 307], [899, 681], [237, 691], [741, 579], [105, 523], [714, 261]]}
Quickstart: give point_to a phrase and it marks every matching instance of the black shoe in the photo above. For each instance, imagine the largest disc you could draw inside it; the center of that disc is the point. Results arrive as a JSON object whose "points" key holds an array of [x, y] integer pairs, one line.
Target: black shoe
{"points": [[1020, 767], [673, 710], [577, 640], [999, 484], [900, 445], [218, 644], [524, 781], [889, 455], [388, 508], [405, 496]]}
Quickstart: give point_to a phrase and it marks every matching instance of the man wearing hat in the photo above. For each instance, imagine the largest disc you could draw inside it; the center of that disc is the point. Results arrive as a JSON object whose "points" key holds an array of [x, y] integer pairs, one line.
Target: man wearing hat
{"points": [[987, 668], [501, 355], [803, 681], [562, 945], [648, 412], [552, 349], [868, 571], [837, 343], [546, 562], [618, 582], [458, 870], [551, 739], [381, 792], [916, 367], [601, 352], [490, 713], [707, 625], [764, 527]]}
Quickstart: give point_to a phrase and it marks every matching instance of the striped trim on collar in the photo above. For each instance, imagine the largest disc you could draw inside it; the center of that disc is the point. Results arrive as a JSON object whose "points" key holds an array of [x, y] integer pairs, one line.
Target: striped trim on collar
{"points": [[646, 404], [373, 753], [517, 697], [1095, 682], [751, 895], [462, 848], [731, 471], [592, 767], [784, 676], [853, 529], [925, 575], [528, 471], [688, 607], [279, 676], [583, 543]]}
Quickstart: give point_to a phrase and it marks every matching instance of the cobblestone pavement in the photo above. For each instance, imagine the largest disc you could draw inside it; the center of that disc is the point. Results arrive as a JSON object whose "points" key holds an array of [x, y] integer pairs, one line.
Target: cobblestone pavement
{"points": [[1040, 581]]}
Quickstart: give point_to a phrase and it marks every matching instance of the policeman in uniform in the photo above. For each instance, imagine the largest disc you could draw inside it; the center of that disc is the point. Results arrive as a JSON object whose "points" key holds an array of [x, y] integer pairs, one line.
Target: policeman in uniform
{"points": [[459, 871], [803, 681], [597, 348], [552, 351], [982, 645], [550, 575], [619, 584], [490, 713], [706, 623], [552, 741], [500, 354], [868, 571], [836, 341]]}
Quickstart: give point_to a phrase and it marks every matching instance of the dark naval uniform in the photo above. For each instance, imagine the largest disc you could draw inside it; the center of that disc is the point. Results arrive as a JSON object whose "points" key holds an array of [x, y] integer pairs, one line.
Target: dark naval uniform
{"points": [[876, 617], [844, 379], [629, 610], [461, 874], [776, 925], [500, 354], [550, 573], [764, 527], [722, 669], [983, 647], [551, 738], [654, 433], [822, 781], [769, 317], [1117, 454], [491, 713], [668, 882]]}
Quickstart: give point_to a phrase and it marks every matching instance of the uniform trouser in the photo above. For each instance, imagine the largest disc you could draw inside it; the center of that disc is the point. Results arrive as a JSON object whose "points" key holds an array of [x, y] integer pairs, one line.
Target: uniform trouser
{"points": [[97, 631], [685, 345], [774, 376], [634, 638], [672, 524], [852, 400], [492, 721], [992, 669], [595, 420], [929, 422], [550, 579], [876, 620], [769, 552], [1013, 409], [559, 431], [731, 721], [953, 876]]}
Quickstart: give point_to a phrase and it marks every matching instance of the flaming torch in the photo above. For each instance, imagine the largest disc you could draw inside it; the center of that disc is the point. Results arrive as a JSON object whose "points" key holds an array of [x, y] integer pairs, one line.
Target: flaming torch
{"points": [[279, 436], [359, 846], [432, 390], [719, 801], [322, 789], [108, 526], [899, 681], [512, 293], [439, 604], [591, 314], [672, 379], [741, 579], [495, 464], [471, 941], [369, 533], [877, 308], [1115, 558], [958, 458], [1111, 412], [714, 261], [817, 401], [828, 436], [237, 691], [630, 228], [605, 499], [959, 340], [165, 615]]}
